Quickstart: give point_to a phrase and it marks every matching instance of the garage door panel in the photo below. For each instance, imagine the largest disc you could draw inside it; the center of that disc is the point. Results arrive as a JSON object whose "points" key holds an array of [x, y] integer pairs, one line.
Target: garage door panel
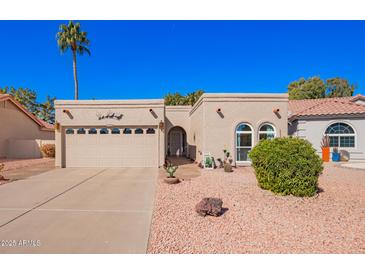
{"points": [[112, 150]]}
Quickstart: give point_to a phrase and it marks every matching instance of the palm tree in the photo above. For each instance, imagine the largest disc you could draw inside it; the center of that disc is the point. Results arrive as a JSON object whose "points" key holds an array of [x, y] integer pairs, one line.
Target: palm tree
{"points": [[71, 37]]}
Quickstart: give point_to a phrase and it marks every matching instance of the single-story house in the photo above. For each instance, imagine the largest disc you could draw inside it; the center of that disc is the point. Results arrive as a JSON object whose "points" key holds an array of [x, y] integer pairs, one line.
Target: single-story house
{"points": [[342, 119], [129, 133], [141, 133], [21, 133]]}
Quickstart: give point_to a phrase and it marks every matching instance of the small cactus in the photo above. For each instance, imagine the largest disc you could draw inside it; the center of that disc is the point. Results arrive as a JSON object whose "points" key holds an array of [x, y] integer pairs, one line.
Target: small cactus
{"points": [[170, 169]]}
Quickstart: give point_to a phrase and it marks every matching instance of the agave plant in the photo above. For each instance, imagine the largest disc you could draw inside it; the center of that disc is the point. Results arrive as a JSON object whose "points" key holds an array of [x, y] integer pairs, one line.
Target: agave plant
{"points": [[170, 169]]}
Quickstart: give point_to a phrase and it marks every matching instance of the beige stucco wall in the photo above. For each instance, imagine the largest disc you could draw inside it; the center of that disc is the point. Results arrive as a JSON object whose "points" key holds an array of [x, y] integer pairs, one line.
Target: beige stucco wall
{"points": [[16, 126], [313, 129], [215, 132], [195, 138], [84, 113], [206, 130]]}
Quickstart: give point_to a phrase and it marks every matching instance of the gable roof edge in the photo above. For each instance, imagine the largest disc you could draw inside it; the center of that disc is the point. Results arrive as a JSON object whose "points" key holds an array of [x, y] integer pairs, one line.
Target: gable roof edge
{"points": [[5, 97]]}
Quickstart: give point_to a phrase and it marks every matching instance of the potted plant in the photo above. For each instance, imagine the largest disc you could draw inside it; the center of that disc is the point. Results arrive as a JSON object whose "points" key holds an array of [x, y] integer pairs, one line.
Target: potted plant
{"points": [[325, 145], [171, 169], [208, 162], [336, 156]]}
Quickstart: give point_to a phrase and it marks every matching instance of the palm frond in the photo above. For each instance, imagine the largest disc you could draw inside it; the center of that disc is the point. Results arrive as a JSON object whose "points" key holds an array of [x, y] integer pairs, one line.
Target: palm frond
{"points": [[71, 37]]}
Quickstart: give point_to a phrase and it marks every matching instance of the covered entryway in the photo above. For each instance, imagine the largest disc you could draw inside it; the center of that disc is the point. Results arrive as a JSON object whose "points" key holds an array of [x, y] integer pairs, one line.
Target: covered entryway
{"points": [[111, 147], [176, 144]]}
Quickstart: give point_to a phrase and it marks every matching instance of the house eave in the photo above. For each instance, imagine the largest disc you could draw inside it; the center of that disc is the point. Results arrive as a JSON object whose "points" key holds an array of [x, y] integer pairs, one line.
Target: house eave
{"points": [[327, 116]]}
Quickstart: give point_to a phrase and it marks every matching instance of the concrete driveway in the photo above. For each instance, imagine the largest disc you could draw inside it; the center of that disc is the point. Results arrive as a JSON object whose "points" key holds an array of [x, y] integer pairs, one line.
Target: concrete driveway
{"points": [[78, 210]]}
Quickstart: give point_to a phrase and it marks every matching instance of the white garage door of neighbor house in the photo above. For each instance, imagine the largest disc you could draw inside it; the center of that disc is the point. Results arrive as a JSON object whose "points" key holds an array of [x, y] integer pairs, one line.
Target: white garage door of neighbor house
{"points": [[111, 147]]}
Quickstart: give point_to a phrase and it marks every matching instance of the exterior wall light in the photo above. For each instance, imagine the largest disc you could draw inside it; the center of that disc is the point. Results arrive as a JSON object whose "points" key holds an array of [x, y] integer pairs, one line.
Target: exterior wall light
{"points": [[161, 125], [57, 126]]}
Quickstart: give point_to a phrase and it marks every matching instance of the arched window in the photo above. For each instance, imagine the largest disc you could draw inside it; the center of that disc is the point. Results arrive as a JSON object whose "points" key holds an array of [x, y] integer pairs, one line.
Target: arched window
{"points": [[267, 131], [244, 142], [341, 135], [70, 131], [104, 130], [115, 131], [138, 131], [150, 131], [81, 131], [92, 131], [127, 131]]}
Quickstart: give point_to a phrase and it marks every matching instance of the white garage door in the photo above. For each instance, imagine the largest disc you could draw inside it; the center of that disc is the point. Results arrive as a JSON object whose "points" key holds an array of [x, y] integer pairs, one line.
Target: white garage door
{"points": [[111, 147]]}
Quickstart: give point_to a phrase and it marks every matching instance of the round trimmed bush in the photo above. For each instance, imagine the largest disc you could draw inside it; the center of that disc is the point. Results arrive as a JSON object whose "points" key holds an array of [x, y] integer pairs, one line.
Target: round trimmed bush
{"points": [[287, 166]]}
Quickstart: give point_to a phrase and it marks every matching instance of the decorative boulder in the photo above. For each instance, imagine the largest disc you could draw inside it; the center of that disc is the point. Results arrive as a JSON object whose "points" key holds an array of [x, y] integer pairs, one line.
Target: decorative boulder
{"points": [[209, 206]]}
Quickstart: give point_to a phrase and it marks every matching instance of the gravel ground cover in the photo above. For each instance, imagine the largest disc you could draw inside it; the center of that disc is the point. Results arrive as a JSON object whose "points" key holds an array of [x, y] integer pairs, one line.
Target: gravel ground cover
{"points": [[11, 164], [257, 221]]}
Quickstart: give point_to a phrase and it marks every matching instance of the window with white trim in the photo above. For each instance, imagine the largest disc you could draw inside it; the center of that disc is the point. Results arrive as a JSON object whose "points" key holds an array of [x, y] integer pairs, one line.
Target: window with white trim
{"points": [[244, 142], [150, 131], [115, 130], [70, 131], [341, 135], [81, 131], [127, 131], [104, 130], [267, 131], [138, 131], [93, 131]]}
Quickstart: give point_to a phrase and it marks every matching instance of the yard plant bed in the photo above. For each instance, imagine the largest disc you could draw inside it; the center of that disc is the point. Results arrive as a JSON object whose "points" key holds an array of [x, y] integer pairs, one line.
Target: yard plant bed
{"points": [[258, 221]]}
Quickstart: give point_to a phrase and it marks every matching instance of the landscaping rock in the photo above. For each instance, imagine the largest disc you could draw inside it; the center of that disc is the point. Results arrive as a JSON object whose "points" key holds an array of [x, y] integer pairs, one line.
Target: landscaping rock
{"points": [[209, 206]]}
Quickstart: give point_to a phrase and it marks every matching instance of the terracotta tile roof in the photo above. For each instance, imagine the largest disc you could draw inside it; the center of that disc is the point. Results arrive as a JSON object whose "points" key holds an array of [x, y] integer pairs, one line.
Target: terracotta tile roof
{"points": [[326, 106], [43, 124]]}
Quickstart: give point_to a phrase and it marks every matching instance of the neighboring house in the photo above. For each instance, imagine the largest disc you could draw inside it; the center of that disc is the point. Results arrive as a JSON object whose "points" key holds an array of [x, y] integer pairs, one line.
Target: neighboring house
{"points": [[141, 133], [342, 119], [21, 133]]}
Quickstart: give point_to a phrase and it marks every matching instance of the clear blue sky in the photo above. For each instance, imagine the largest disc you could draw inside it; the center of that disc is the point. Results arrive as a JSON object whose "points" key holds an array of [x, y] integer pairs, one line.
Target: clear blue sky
{"points": [[147, 59]]}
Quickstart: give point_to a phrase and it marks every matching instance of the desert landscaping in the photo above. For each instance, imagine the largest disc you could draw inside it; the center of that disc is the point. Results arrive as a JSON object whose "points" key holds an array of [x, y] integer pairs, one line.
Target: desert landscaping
{"points": [[256, 220]]}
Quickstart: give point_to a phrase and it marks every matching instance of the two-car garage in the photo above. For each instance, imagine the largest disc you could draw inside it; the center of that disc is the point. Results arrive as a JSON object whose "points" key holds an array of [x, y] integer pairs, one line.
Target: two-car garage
{"points": [[109, 133], [111, 147]]}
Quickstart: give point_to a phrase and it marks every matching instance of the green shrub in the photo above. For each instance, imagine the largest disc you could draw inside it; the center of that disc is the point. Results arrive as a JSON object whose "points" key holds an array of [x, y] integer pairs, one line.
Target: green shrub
{"points": [[287, 166]]}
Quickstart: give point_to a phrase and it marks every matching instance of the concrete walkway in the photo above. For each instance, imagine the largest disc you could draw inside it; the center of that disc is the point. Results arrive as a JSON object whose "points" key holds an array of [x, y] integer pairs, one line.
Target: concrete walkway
{"points": [[357, 165], [78, 210]]}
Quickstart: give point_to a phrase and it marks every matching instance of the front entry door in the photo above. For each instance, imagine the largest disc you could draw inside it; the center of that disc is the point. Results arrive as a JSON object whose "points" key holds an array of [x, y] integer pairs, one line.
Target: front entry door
{"points": [[176, 143]]}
